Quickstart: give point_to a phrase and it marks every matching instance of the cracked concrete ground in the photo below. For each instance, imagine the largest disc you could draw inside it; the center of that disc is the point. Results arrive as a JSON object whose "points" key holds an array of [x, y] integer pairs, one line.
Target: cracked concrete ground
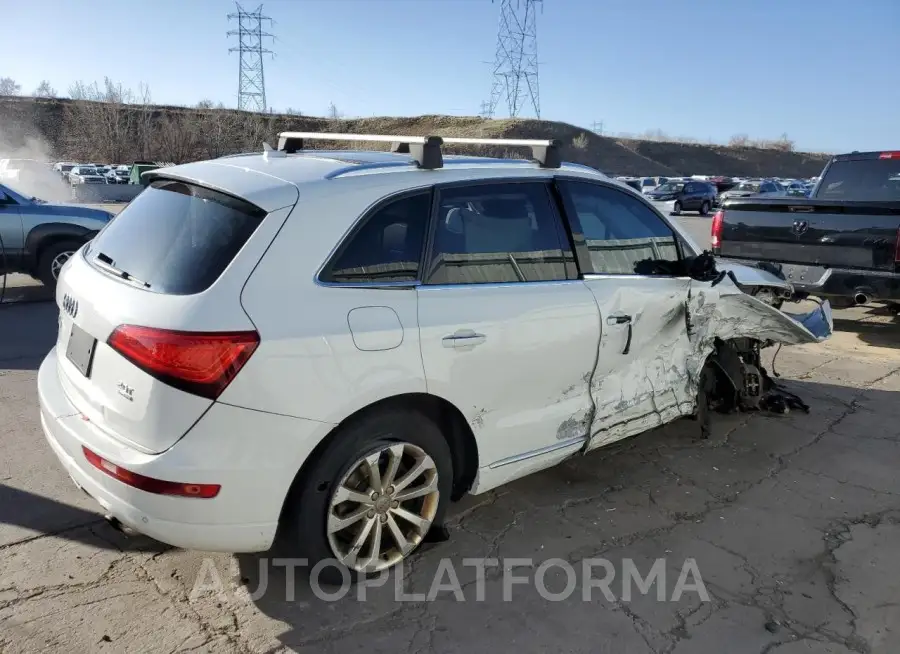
{"points": [[792, 522]]}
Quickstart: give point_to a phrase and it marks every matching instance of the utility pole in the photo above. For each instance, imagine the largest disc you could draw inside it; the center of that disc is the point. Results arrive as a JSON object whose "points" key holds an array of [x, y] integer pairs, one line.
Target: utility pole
{"points": [[597, 127], [515, 74], [251, 76]]}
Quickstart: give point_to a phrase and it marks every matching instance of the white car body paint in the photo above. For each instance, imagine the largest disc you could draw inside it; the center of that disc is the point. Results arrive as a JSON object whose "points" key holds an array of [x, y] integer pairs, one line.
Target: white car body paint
{"points": [[538, 370]]}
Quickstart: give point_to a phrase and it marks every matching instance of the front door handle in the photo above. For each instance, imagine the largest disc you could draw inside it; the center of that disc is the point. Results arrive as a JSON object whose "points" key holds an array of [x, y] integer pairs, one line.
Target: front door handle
{"points": [[463, 338], [622, 319]]}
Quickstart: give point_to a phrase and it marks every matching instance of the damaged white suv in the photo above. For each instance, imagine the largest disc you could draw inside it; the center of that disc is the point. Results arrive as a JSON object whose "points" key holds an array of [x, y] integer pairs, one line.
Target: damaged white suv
{"points": [[336, 344]]}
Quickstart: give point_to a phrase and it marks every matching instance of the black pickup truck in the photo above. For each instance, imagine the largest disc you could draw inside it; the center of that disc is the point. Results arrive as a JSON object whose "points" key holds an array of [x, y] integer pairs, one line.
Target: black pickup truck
{"points": [[841, 242]]}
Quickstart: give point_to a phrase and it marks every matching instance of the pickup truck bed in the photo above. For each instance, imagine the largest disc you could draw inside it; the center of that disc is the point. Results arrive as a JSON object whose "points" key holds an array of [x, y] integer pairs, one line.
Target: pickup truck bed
{"points": [[834, 244]]}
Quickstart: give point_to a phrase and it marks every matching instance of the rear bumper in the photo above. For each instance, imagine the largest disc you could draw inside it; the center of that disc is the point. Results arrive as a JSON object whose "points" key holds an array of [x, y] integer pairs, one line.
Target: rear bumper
{"points": [[253, 455], [846, 283]]}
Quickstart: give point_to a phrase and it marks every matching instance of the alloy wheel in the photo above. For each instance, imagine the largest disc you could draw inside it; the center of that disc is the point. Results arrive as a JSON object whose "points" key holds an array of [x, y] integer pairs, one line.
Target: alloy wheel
{"points": [[58, 261], [383, 507]]}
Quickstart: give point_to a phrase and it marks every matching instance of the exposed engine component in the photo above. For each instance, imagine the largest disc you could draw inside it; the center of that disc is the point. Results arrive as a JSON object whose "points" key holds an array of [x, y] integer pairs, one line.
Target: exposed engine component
{"points": [[733, 379]]}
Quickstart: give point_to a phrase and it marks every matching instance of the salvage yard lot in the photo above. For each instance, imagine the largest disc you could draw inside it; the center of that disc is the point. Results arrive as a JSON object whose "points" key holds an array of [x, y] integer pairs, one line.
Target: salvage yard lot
{"points": [[794, 523]]}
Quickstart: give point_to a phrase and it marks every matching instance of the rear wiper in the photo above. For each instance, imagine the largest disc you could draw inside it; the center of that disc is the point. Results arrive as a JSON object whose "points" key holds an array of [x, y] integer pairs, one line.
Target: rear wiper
{"points": [[105, 262]]}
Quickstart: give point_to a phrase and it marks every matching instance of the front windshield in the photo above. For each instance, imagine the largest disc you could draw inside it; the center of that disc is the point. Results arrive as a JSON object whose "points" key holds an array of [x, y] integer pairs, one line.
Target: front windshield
{"points": [[747, 186], [648, 182], [87, 171], [671, 187]]}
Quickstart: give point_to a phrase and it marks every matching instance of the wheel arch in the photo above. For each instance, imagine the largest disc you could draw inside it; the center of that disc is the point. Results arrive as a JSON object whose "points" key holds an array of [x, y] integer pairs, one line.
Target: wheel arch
{"points": [[46, 234], [448, 418]]}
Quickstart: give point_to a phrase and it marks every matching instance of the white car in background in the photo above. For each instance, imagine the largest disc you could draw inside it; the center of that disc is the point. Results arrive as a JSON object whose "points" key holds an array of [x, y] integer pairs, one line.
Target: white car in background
{"points": [[86, 175], [334, 345]]}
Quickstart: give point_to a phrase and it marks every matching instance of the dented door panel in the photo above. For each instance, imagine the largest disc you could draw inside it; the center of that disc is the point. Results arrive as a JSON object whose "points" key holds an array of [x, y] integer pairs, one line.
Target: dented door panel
{"points": [[514, 358], [641, 386]]}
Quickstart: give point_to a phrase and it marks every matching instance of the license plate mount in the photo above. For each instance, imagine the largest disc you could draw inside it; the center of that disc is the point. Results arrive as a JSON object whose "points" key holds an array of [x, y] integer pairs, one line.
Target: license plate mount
{"points": [[803, 274], [80, 350]]}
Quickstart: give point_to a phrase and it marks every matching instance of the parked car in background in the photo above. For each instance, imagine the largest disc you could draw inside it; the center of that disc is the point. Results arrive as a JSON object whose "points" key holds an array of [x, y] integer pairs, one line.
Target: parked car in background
{"points": [[748, 188], [648, 184], [39, 237], [64, 168], [841, 242], [693, 195], [118, 175], [85, 175]]}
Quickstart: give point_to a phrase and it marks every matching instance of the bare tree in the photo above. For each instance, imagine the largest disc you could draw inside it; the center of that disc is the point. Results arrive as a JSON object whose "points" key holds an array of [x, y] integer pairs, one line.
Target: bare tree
{"points": [[100, 120], [580, 142], [8, 86], [333, 111], [206, 104], [143, 123], [739, 141], [44, 90]]}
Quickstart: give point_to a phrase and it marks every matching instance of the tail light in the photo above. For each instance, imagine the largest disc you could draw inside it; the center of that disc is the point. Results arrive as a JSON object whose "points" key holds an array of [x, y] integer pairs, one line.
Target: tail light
{"points": [[889, 155], [202, 363], [897, 248], [716, 230], [149, 484]]}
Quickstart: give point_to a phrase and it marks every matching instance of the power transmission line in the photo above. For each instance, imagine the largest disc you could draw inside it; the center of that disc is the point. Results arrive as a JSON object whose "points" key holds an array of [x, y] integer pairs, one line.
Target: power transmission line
{"points": [[251, 76]]}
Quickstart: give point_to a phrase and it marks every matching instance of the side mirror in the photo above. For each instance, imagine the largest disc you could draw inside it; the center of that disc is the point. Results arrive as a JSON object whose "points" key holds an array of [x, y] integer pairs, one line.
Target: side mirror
{"points": [[4, 198]]}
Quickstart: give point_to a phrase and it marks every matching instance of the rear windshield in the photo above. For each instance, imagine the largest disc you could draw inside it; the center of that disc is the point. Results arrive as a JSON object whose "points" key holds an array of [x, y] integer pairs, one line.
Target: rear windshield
{"points": [[869, 179], [176, 238]]}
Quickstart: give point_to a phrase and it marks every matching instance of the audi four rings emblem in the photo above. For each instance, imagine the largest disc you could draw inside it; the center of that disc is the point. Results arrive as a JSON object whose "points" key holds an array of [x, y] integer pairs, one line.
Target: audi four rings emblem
{"points": [[70, 305]]}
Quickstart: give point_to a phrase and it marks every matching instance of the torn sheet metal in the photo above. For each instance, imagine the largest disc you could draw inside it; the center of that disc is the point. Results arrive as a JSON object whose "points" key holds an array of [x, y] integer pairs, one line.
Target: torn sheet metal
{"points": [[663, 385]]}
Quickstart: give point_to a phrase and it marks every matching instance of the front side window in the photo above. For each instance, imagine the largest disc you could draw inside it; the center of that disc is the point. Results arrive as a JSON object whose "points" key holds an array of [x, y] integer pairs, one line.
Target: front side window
{"points": [[497, 233], [388, 245], [622, 234]]}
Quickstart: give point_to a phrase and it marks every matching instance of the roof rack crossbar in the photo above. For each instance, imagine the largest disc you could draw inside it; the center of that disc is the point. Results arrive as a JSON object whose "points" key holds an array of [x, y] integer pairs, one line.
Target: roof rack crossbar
{"points": [[544, 151], [425, 150]]}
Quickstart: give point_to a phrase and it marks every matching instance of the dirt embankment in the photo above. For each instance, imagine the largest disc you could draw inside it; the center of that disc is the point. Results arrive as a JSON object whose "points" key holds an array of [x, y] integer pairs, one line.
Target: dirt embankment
{"points": [[94, 131]]}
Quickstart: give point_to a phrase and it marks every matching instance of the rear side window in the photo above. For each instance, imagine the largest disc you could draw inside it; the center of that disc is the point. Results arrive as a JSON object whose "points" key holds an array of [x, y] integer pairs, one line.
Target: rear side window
{"points": [[870, 179], [176, 237], [498, 233], [620, 231], [387, 246]]}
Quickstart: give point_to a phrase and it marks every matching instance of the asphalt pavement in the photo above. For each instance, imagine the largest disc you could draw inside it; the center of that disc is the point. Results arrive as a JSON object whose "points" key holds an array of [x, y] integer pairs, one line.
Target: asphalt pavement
{"points": [[785, 530]]}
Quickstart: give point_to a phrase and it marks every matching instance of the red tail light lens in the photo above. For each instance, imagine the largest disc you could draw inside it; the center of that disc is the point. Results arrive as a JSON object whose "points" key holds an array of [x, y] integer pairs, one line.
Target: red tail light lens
{"points": [[889, 155], [202, 363], [148, 484], [897, 248], [716, 230]]}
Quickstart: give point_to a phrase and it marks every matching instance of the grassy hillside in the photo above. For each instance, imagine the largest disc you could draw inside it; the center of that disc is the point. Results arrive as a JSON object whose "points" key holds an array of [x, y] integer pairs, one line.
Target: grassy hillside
{"points": [[96, 131]]}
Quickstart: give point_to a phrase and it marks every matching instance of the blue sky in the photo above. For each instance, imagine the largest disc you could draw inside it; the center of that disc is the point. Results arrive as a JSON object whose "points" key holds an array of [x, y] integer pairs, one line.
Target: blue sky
{"points": [[825, 72]]}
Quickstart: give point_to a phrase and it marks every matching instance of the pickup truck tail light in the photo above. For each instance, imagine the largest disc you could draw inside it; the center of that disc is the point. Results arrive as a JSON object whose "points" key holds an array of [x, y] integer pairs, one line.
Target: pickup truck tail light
{"points": [[716, 230], [897, 248]]}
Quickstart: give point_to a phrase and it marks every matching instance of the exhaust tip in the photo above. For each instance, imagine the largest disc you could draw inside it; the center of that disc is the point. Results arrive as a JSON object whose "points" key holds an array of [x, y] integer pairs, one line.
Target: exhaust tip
{"points": [[861, 298], [116, 524]]}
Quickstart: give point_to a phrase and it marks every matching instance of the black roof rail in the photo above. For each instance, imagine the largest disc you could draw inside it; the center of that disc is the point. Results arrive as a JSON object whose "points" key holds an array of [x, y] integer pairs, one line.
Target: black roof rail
{"points": [[425, 150]]}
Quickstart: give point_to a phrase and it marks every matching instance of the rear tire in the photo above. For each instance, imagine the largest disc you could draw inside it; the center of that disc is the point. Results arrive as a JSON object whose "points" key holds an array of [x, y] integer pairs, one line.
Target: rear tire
{"points": [[314, 506], [52, 259], [704, 208]]}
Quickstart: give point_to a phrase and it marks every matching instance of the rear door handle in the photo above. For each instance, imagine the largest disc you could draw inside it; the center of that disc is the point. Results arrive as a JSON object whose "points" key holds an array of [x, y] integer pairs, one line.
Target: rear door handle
{"points": [[463, 338]]}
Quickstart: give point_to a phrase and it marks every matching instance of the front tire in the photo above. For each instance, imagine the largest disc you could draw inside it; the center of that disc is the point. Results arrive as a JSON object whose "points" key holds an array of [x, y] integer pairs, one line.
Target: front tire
{"points": [[677, 208], [704, 208], [370, 498], [52, 259]]}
